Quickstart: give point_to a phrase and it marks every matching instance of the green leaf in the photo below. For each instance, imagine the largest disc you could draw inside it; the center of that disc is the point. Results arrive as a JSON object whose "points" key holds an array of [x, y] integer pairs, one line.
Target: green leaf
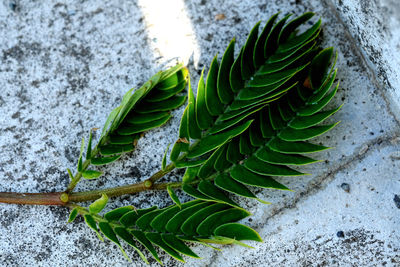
{"points": [[129, 129], [127, 237], [274, 157], [80, 161], [109, 150], [160, 221], [144, 221], [232, 122], [292, 25], [207, 227], [156, 239], [211, 142], [321, 92], [173, 196], [178, 147], [175, 223], [193, 127], [115, 139], [225, 182], [223, 85], [89, 146], [190, 225], [309, 110], [260, 43], [207, 168], [274, 78], [164, 160], [73, 214], [290, 134], [243, 175], [117, 213], [281, 65], [305, 122], [319, 67], [71, 176], [108, 232], [140, 236], [98, 205], [175, 243], [300, 39], [189, 163], [129, 218], [204, 119], [190, 174], [91, 174], [247, 64], [255, 134], [235, 76], [275, 117], [271, 44], [110, 120], [136, 118], [223, 241], [238, 232], [233, 155], [221, 163], [279, 145], [263, 168], [213, 103], [91, 222], [210, 190], [191, 191], [165, 105], [183, 127], [162, 94], [104, 160], [245, 146]]}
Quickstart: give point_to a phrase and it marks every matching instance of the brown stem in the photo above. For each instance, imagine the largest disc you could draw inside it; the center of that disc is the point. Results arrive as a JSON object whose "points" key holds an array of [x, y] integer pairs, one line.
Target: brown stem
{"points": [[63, 198], [32, 198]]}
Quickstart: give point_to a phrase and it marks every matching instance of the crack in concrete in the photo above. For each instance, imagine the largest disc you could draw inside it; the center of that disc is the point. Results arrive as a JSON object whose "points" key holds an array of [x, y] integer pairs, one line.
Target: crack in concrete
{"points": [[320, 182], [360, 53]]}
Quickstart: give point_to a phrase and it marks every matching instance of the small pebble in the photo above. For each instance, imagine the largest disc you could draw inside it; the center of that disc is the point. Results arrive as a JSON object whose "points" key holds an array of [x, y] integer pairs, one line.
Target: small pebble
{"points": [[340, 234], [219, 17], [396, 200], [345, 187]]}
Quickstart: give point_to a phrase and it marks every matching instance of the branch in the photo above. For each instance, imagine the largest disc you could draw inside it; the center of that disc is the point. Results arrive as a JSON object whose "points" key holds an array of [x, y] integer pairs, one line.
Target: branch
{"points": [[63, 198]]}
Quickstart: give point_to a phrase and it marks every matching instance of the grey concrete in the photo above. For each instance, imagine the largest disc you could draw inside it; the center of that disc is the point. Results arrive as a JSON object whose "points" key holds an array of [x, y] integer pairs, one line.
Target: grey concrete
{"points": [[64, 66]]}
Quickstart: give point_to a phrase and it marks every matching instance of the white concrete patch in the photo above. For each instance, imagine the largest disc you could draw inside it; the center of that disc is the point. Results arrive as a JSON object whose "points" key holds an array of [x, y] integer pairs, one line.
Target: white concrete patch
{"points": [[64, 66]]}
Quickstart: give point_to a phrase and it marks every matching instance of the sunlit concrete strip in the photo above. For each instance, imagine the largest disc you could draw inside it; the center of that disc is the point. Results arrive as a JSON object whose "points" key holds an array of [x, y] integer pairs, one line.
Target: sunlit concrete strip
{"points": [[170, 30]]}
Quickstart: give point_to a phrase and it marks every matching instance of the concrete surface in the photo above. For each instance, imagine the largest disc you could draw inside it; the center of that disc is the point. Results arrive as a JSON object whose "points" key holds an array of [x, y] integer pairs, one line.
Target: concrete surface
{"points": [[65, 65]]}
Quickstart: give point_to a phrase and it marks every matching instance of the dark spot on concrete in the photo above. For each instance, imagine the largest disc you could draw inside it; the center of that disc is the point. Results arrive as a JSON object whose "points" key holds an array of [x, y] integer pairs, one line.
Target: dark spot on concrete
{"points": [[16, 115], [345, 187], [396, 200], [135, 172], [340, 234], [71, 155], [60, 213], [35, 83]]}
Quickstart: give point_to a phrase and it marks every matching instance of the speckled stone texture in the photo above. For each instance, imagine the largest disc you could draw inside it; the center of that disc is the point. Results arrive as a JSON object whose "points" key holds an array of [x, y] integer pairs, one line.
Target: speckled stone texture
{"points": [[65, 65]]}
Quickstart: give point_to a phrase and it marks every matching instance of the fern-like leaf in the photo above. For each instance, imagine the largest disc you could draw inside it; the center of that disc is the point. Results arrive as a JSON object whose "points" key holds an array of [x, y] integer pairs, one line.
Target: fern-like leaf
{"points": [[267, 67], [274, 141], [170, 228]]}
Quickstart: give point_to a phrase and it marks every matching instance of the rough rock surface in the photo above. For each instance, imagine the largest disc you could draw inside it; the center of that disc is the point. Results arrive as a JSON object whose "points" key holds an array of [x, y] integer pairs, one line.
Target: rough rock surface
{"points": [[65, 65]]}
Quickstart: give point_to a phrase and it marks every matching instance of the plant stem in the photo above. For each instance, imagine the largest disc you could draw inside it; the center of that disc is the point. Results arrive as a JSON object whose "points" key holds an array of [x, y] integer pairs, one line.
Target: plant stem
{"points": [[32, 198], [78, 175], [118, 191], [55, 198]]}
